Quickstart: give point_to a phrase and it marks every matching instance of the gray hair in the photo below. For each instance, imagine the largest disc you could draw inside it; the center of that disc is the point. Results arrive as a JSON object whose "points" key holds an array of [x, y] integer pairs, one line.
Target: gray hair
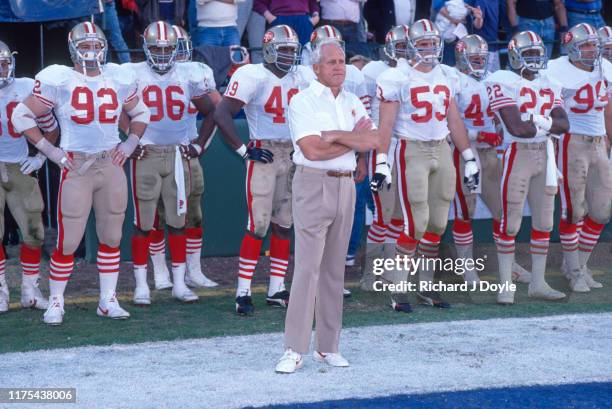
{"points": [[317, 53]]}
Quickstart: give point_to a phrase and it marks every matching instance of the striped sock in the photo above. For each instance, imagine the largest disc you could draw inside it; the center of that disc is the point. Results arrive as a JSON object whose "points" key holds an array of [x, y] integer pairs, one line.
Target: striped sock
{"points": [[376, 233], [60, 270], [157, 243], [279, 261], [429, 247], [108, 269], [505, 256], [249, 254], [2, 266], [569, 242], [194, 240], [539, 250], [394, 229], [589, 235], [496, 227], [30, 263]]}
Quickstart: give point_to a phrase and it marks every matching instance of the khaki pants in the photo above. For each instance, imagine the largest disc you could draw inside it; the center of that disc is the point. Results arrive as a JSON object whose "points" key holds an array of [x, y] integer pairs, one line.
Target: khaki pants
{"points": [[524, 178], [194, 200], [323, 211], [464, 203], [426, 181], [587, 178], [99, 184], [22, 195], [268, 188], [152, 180]]}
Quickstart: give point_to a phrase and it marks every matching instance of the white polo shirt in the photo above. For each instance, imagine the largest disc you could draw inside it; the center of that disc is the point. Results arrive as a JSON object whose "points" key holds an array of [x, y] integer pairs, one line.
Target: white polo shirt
{"points": [[315, 110]]}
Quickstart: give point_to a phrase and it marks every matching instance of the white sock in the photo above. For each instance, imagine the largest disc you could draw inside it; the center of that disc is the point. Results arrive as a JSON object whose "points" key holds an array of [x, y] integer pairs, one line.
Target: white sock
{"points": [[140, 275]]}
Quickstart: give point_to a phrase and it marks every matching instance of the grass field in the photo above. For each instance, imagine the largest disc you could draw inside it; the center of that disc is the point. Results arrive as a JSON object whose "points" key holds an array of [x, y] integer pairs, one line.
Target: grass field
{"points": [[213, 316]]}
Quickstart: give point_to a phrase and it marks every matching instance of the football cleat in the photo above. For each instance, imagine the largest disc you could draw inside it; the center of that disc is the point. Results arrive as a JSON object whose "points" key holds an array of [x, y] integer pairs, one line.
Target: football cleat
{"points": [[142, 296], [588, 277], [401, 306], [350, 260], [520, 275], [577, 281], [279, 299], [31, 297], [109, 307], [544, 292], [346, 293], [289, 362], [331, 359], [184, 294], [55, 312], [244, 305], [193, 274], [505, 297], [431, 298]]}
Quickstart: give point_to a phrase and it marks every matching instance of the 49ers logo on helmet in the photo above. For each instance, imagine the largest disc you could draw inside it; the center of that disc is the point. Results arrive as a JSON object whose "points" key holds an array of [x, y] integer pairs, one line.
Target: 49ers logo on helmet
{"points": [[313, 36], [269, 36], [567, 37], [511, 45], [460, 47]]}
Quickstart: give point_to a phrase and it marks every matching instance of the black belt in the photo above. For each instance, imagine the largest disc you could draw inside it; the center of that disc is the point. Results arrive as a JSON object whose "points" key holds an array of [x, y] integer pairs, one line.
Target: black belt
{"points": [[584, 11]]}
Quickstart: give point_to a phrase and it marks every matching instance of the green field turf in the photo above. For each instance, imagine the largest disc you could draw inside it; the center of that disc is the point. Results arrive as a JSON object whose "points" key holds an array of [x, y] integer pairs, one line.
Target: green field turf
{"points": [[212, 316]]}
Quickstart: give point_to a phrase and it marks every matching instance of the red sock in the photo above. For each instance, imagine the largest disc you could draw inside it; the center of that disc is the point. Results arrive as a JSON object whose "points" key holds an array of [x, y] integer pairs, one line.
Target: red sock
{"points": [[2, 260], [462, 232], [569, 236], [178, 248], [407, 244], [30, 259], [156, 242], [249, 254], [429, 245], [279, 256], [194, 240], [539, 242], [589, 235], [394, 229], [496, 227], [140, 246]]}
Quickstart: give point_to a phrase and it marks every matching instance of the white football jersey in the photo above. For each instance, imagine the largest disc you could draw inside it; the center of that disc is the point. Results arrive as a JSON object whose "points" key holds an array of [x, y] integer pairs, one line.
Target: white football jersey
{"points": [[353, 83], [424, 99], [585, 95], [266, 98], [13, 146], [168, 97], [192, 111], [537, 97], [370, 73], [473, 104], [87, 108]]}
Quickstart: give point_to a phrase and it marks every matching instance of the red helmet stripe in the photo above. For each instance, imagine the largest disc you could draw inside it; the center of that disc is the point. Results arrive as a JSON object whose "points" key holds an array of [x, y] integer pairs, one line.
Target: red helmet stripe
{"points": [[329, 32], [532, 36], [161, 31], [87, 26], [287, 31]]}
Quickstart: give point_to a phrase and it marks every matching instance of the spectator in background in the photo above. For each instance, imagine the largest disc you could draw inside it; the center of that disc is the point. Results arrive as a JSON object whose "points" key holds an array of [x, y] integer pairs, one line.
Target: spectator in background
{"points": [[150, 11], [255, 25], [301, 15], [109, 22], [343, 15], [216, 23], [452, 14], [538, 16], [584, 11], [491, 11], [381, 15]]}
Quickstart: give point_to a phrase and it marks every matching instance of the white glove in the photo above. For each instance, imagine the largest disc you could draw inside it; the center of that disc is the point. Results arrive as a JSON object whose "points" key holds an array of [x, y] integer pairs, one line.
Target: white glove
{"points": [[541, 121], [382, 173], [32, 163], [55, 154], [471, 173], [129, 145]]}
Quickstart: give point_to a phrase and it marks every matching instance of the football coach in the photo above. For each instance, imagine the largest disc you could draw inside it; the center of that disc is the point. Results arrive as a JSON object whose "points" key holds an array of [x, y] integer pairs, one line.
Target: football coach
{"points": [[328, 126]]}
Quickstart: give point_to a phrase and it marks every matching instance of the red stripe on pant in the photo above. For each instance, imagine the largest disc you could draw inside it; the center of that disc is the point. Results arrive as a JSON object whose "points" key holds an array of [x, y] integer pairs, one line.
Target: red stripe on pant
{"points": [[378, 215], [566, 199], [403, 193], [60, 217], [249, 194], [460, 197], [134, 197], [511, 152]]}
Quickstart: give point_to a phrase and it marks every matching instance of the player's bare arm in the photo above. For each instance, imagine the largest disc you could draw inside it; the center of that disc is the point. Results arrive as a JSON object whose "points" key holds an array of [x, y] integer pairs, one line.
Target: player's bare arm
{"points": [[139, 116], [206, 106], [24, 121], [511, 117], [224, 118]]}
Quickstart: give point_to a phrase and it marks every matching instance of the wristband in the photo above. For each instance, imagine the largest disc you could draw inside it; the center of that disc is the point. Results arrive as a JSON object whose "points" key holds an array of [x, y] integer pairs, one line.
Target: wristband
{"points": [[241, 151], [468, 155], [381, 158]]}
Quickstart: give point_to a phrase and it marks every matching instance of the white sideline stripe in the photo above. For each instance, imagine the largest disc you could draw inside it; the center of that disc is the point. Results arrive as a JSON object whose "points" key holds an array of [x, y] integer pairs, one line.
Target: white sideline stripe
{"points": [[431, 357]]}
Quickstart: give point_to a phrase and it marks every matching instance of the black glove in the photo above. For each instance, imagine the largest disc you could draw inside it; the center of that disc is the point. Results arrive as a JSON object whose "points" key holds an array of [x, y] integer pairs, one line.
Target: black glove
{"points": [[258, 155], [190, 151]]}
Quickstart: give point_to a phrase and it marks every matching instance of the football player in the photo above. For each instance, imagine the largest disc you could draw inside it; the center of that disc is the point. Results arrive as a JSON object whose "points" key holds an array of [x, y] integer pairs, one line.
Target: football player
{"points": [[529, 105], [605, 42], [471, 56], [87, 99], [163, 171], [193, 224], [264, 90], [586, 191], [388, 222], [18, 189], [417, 103]]}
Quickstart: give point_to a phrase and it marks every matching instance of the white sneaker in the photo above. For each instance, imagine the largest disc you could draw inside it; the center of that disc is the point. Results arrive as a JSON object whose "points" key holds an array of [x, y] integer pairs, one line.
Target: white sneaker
{"points": [[198, 280], [142, 296], [505, 297], [577, 281], [109, 307], [161, 274], [346, 293], [55, 311], [520, 275], [184, 295], [544, 292], [588, 277], [332, 359], [31, 297], [289, 362]]}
